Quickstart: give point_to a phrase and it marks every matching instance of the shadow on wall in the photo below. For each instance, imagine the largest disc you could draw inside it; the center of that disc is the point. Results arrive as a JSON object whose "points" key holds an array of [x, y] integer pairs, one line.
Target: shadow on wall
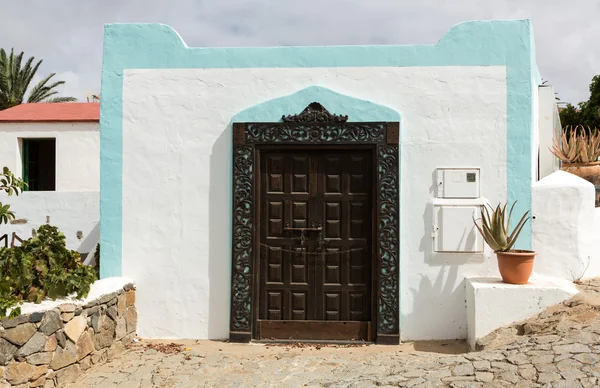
{"points": [[219, 217], [439, 298]]}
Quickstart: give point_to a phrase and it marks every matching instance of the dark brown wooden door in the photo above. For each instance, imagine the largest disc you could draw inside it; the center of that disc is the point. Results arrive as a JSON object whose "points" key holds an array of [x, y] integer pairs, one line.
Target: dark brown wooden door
{"points": [[315, 244]]}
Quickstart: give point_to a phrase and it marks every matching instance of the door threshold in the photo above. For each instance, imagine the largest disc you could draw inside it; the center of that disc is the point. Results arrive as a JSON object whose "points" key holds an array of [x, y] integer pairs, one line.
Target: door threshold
{"points": [[312, 342]]}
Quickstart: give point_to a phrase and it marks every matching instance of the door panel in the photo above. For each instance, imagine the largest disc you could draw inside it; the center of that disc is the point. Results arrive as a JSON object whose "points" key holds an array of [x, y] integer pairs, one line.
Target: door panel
{"points": [[343, 276], [302, 279]]}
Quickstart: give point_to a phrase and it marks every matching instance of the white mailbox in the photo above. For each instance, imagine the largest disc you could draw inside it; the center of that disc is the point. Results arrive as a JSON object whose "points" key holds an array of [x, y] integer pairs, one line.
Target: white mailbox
{"points": [[458, 183], [454, 230]]}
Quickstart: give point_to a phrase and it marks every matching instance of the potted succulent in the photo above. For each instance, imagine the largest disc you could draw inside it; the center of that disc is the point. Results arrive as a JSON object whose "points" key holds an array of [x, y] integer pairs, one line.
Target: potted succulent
{"points": [[579, 149], [515, 265]]}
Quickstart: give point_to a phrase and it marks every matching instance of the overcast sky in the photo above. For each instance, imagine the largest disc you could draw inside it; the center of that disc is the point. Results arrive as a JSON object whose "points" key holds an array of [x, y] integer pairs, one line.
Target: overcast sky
{"points": [[67, 34]]}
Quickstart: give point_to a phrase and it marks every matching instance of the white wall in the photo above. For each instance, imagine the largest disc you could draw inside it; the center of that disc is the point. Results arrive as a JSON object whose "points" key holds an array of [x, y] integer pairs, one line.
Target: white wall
{"points": [[176, 183], [492, 304], [535, 150], [70, 212], [77, 151], [565, 227], [548, 123]]}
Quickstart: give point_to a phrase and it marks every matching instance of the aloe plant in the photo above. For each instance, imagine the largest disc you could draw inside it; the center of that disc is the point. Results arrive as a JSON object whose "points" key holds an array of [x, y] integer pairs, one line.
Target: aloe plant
{"points": [[495, 227], [581, 145]]}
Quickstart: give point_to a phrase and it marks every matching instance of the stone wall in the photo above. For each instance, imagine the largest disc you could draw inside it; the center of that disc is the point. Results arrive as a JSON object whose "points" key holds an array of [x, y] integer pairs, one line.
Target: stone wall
{"points": [[52, 343]]}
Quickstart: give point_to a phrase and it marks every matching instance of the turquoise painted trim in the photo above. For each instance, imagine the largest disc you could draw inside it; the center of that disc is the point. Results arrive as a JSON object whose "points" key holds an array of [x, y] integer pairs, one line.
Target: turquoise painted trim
{"points": [[156, 46], [357, 109]]}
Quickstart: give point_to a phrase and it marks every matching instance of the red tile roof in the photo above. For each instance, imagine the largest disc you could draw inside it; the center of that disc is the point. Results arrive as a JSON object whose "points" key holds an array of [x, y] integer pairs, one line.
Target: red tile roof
{"points": [[52, 112]]}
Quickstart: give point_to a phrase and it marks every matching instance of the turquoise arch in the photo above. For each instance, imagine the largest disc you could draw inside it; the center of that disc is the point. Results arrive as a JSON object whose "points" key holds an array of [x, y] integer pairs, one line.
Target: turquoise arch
{"points": [[357, 110], [506, 43]]}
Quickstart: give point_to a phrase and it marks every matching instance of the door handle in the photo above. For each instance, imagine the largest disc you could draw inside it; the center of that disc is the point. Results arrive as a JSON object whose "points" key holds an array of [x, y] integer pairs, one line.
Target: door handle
{"points": [[316, 229]]}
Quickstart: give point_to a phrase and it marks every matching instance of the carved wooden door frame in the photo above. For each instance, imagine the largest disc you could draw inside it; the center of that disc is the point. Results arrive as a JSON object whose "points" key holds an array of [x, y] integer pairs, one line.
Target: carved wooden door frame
{"points": [[316, 126]]}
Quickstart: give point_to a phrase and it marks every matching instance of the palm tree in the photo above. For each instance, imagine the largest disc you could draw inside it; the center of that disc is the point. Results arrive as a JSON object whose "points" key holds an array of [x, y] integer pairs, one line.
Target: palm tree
{"points": [[15, 78]]}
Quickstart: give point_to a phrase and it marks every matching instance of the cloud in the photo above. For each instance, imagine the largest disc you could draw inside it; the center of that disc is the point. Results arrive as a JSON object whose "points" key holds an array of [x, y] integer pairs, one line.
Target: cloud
{"points": [[69, 37]]}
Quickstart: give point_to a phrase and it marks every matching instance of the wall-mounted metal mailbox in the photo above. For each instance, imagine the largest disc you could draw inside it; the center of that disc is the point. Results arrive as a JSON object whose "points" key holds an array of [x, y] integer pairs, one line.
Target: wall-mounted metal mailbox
{"points": [[458, 183], [454, 230]]}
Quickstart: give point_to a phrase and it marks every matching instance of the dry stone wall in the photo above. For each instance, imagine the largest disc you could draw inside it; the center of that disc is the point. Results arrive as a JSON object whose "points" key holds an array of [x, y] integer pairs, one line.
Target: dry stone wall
{"points": [[53, 347]]}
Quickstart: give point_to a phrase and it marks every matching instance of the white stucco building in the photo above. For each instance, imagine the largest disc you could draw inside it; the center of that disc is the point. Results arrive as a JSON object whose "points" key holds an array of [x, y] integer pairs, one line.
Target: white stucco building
{"points": [[354, 210], [55, 148]]}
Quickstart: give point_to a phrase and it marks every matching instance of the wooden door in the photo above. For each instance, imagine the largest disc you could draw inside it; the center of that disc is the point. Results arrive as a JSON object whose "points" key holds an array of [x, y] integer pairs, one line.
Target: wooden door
{"points": [[316, 225]]}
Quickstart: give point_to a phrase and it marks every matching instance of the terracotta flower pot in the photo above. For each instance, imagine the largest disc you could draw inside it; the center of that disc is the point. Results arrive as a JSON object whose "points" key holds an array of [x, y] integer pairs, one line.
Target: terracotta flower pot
{"points": [[588, 171], [515, 266]]}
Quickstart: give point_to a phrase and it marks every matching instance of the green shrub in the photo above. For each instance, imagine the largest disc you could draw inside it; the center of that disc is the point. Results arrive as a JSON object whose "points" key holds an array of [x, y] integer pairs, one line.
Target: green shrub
{"points": [[41, 268]]}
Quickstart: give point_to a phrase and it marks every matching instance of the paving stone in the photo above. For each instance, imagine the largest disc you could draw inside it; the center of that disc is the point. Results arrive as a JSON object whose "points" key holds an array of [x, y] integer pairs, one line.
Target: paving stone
{"points": [[121, 328], [22, 372], [438, 374], [528, 372], [68, 375], [36, 317], [414, 382], [131, 319], [51, 344], [42, 358], [546, 368], [34, 345], [50, 323], [63, 357], [463, 370], [572, 348], [85, 344], [414, 373], [75, 328], [482, 365], [61, 338], [40, 382], [560, 357], [112, 312], [7, 351], [568, 364], [107, 298], [484, 376], [509, 376], [9, 323], [67, 308], [503, 366], [121, 304], [85, 363], [518, 359], [587, 358], [458, 378], [19, 335], [545, 359], [106, 332], [572, 374], [589, 382], [548, 377], [66, 317]]}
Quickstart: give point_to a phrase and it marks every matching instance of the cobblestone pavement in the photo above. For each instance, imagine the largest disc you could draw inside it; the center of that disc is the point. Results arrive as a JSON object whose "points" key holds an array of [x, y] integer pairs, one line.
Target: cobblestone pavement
{"points": [[559, 348]]}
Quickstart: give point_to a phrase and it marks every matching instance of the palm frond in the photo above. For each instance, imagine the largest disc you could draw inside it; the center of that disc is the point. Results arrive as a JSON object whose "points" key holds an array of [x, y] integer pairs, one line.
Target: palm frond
{"points": [[16, 76]]}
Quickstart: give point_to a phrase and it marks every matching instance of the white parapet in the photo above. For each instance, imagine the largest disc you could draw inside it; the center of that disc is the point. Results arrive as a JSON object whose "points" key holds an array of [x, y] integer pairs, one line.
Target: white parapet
{"points": [[492, 304], [98, 289], [564, 230]]}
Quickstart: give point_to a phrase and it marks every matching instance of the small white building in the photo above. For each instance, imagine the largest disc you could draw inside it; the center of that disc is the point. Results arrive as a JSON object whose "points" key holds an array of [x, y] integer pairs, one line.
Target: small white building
{"points": [[55, 148], [326, 192]]}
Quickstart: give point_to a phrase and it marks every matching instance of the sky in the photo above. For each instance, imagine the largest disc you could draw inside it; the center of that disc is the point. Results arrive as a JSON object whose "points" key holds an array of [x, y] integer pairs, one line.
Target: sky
{"points": [[68, 34]]}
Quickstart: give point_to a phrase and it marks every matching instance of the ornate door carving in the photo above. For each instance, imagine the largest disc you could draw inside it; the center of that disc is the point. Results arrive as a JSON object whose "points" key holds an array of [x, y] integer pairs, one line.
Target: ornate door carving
{"points": [[337, 298]]}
